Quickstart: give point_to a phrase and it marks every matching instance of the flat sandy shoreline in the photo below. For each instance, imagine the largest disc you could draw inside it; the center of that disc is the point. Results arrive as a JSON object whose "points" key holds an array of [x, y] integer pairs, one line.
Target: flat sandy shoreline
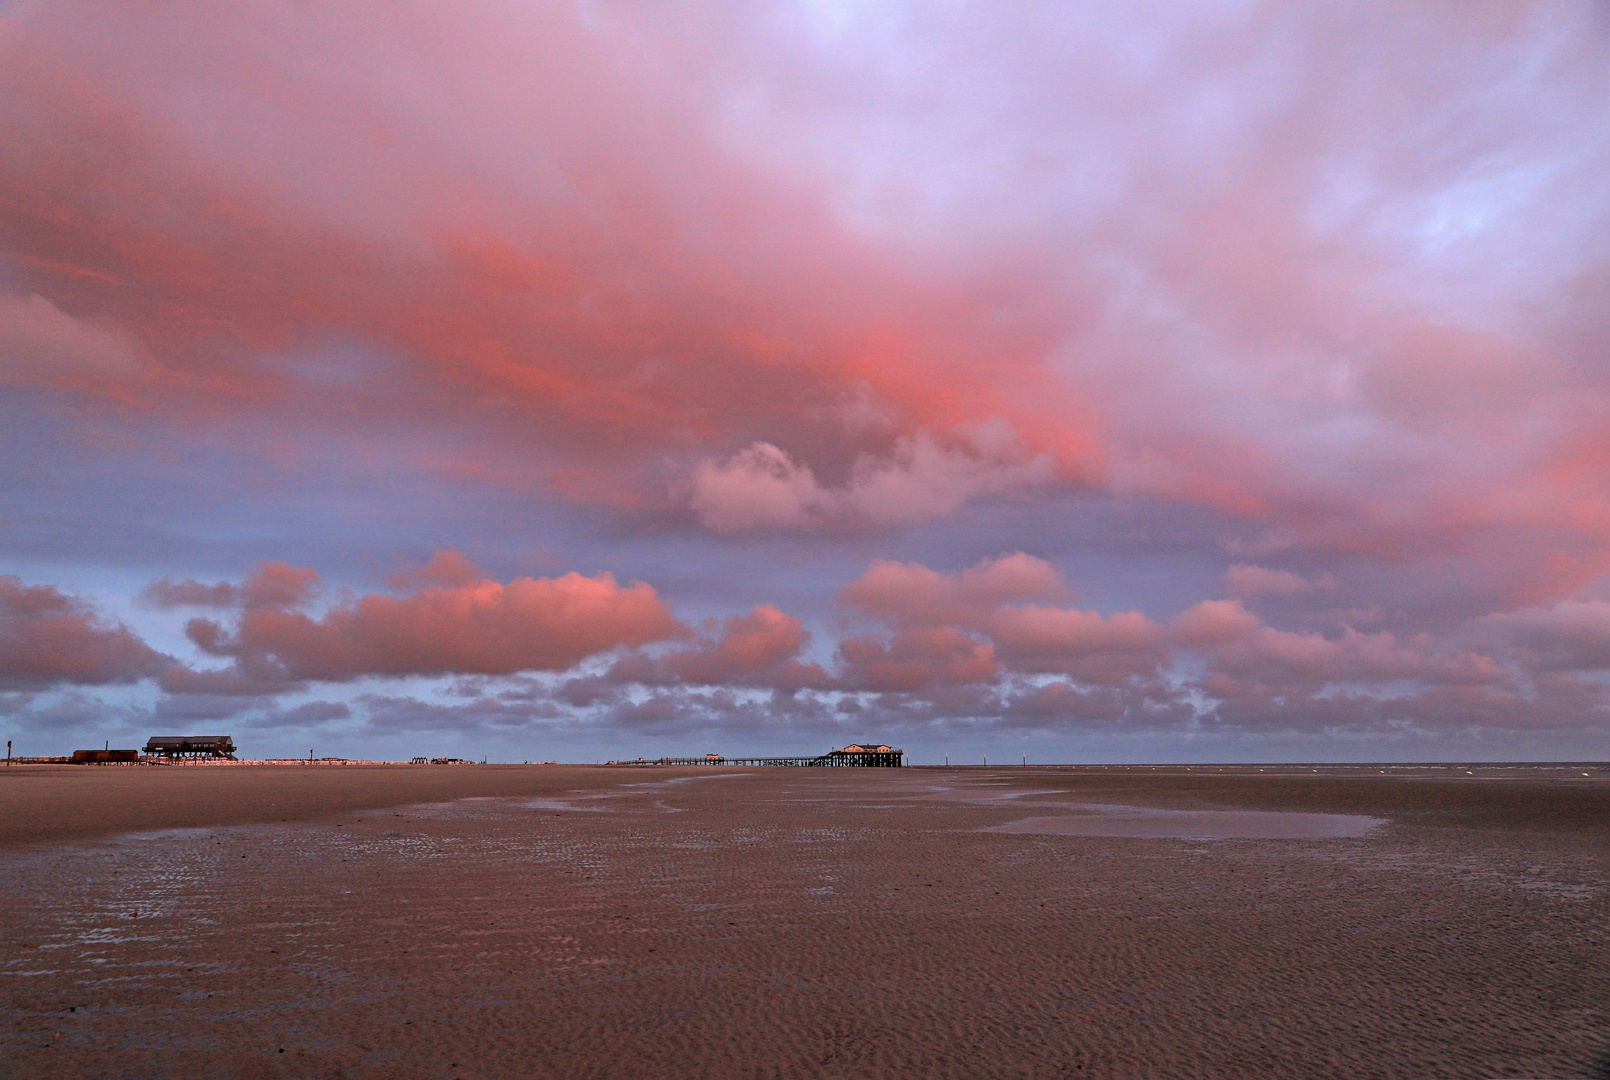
{"points": [[54, 803], [373, 922]]}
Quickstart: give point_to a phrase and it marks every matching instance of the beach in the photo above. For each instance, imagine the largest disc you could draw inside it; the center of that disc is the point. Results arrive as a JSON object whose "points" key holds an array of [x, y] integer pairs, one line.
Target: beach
{"points": [[513, 921], [42, 804]]}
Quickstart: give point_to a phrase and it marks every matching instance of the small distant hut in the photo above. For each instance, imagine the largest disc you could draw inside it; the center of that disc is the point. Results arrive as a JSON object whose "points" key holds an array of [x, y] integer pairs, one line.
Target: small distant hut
{"points": [[191, 746]]}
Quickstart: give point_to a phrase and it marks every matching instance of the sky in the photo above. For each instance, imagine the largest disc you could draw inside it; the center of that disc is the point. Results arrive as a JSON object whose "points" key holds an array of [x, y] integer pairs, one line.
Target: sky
{"points": [[591, 380]]}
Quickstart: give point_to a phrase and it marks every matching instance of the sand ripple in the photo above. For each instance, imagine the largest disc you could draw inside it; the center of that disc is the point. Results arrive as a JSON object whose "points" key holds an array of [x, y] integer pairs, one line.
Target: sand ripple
{"points": [[782, 925]]}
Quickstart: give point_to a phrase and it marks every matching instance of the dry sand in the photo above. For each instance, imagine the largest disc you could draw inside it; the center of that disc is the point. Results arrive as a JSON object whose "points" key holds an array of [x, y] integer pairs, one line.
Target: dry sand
{"points": [[803, 923]]}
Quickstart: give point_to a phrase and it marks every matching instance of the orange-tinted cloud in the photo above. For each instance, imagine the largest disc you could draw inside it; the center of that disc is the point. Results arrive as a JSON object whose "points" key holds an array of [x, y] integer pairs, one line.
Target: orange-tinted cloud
{"points": [[476, 627], [759, 640]]}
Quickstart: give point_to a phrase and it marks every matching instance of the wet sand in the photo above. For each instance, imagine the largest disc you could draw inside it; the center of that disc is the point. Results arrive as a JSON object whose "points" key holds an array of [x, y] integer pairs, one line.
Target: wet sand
{"points": [[1097, 819], [815, 923], [50, 803]]}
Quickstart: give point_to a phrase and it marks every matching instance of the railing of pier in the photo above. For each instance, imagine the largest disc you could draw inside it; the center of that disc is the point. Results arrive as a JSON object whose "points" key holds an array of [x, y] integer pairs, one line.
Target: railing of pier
{"points": [[838, 760]]}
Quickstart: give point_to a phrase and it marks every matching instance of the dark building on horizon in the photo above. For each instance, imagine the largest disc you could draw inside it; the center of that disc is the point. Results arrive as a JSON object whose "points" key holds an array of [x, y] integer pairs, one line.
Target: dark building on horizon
{"points": [[191, 746], [874, 755], [104, 757]]}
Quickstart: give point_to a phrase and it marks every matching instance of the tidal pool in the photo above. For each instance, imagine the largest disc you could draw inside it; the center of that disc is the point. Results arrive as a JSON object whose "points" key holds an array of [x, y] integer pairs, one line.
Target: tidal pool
{"points": [[1144, 823]]}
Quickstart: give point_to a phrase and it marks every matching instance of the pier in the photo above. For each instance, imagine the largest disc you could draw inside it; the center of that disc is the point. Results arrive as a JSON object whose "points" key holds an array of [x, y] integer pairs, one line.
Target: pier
{"points": [[191, 746], [856, 755]]}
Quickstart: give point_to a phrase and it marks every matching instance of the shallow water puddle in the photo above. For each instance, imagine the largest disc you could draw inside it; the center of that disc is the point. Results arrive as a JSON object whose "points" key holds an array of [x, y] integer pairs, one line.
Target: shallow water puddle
{"points": [[562, 804], [1147, 824]]}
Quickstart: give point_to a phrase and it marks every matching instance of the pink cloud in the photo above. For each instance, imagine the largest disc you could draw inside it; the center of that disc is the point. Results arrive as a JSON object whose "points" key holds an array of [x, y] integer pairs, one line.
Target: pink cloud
{"points": [[1321, 319], [612, 293], [759, 487], [968, 628], [449, 569], [761, 639], [759, 648], [911, 593], [44, 346], [1093, 647], [762, 487], [916, 658], [994, 599], [479, 627], [750, 269], [1214, 622], [48, 637], [278, 585]]}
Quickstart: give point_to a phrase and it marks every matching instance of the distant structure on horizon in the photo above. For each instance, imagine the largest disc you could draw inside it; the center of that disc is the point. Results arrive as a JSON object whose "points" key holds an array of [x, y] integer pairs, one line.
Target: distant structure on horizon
{"points": [[104, 757], [191, 746], [855, 755]]}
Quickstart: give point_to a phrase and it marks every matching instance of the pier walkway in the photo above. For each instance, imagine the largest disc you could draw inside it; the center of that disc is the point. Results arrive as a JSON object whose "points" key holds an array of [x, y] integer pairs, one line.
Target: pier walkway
{"points": [[882, 757]]}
